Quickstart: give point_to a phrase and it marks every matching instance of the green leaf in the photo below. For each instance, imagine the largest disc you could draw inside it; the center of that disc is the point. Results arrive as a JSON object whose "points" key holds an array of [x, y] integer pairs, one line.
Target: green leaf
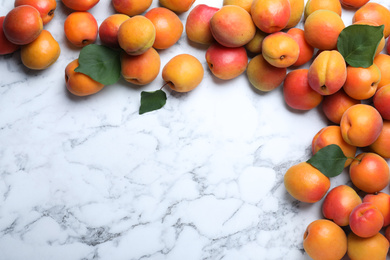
{"points": [[358, 44], [152, 101], [100, 63], [329, 160]]}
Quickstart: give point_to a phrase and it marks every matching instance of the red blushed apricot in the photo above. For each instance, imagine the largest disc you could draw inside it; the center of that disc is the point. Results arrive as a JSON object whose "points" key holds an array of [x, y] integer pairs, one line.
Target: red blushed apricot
{"points": [[336, 104], [366, 220], [382, 101], [353, 3], [108, 30], [381, 200], [81, 28], [6, 47], [271, 15], [297, 92], [375, 12], [382, 144], [306, 51], [78, 5]]}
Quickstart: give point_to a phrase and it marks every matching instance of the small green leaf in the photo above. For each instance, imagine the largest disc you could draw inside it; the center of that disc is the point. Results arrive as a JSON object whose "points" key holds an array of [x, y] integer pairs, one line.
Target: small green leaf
{"points": [[358, 44], [329, 160], [100, 63], [152, 101]]}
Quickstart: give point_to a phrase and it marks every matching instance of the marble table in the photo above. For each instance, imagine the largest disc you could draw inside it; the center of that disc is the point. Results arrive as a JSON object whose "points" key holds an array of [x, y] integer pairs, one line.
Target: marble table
{"points": [[85, 178]]}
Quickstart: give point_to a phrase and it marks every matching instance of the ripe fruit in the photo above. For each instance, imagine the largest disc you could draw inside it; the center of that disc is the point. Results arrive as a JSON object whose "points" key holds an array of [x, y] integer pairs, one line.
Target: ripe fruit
{"points": [[80, 6], [108, 30], [46, 8], [271, 15], [305, 183], [280, 49], [306, 51], [198, 24], [361, 125], [361, 83], [382, 101], [232, 26], [375, 247], [41, 53], [183, 73], [136, 35], [339, 203], [353, 3], [140, 69], [78, 83], [131, 7], [255, 45], [81, 28], [22, 25], [179, 6], [336, 104], [366, 220], [383, 62], [245, 4], [374, 12], [226, 63], [6, 47], [369, 172], [382, 144], [323, 239], [296, 11], [263, 76], [168, 27], [381, 200], [314, 5]]}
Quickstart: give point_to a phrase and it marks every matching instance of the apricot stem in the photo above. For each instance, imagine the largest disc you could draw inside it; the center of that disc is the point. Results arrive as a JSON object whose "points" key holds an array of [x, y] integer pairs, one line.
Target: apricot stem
{"points": [[166, 83]]}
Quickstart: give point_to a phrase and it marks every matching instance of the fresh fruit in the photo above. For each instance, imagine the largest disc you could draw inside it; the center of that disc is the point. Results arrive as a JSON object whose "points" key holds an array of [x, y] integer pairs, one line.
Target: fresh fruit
{"points": [[140, 69], [322, 29], [328, 72], [226, 63], [81, 28], [41, 53], [336, 104], [369, 172], [232, 26], [183, 73], [280, 49], [46, 8], [296, 11], [323, 239], [297, 93], [381, 145], [78, 83], [382, 101], [381, 200], [306, 183], [374, 12], [80, 6], [22, 25], [339, 203], [179, 6], [353, 3], [6, 47], [136, 35], [375, 247], [366, 220], [198, 24], [382, 61], [108, 30], [245, 4], [168, 27], [131, 7], [361, 83], [314, 5], [263, 76], [306, 51], [271, 15], [361, 125], [255, 45]]}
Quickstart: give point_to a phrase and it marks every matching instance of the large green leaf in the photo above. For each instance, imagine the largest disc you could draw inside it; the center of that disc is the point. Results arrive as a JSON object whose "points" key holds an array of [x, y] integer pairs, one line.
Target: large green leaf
{"points": [[329, 160], [152, 100]]}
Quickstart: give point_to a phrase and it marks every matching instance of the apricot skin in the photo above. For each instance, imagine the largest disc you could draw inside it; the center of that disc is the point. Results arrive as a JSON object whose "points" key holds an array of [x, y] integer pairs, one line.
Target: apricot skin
{"points": [[81, 28]]}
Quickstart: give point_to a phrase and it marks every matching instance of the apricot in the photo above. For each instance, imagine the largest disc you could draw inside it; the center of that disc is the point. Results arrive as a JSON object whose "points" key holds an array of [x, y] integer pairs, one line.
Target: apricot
{"points": [[322, 29], [46, 8], [374, 12], [108, 30], [131, 7], [353, 3], [81, 28], [136, 35], [198, 24], [328, 72], [306, 183], [80, 84], [263, 76], [41, 53], [361, 83], [383, 62], [314, 5], [168, 27], [361, 125], [381, 145], [323, 239], [336, 104], [271, 15], [382, 42], [183, 73], [226, 63], [22, 25], [332, 135], [232, 26], [140, 69], [178, 6], [306, 51], [297, 93], [381, 200], [296, 11], [245, 4], [339, 203], [280, 49], [80, 6], [366, 220], [369, 172], [382, 101], [6, 47], [375, 247], [255, 45]]}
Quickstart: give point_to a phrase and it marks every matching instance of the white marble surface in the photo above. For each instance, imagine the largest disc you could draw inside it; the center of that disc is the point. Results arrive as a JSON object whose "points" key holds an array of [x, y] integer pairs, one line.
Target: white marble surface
{"points": [[202, 178]]}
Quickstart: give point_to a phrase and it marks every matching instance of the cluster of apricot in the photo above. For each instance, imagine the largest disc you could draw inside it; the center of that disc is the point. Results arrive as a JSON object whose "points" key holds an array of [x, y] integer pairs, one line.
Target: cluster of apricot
{"points": [[22, 28]]}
